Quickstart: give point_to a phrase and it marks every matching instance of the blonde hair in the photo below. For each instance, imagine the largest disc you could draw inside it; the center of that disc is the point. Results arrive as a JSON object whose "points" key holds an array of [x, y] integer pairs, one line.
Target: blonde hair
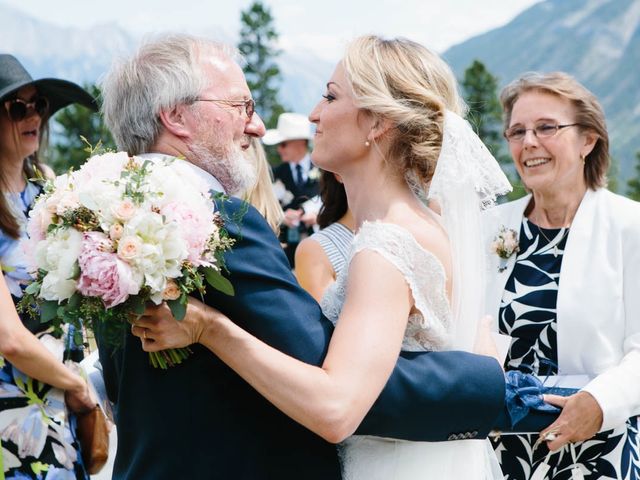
{"points": [[261, 195], [588, 111], [404, 82]]}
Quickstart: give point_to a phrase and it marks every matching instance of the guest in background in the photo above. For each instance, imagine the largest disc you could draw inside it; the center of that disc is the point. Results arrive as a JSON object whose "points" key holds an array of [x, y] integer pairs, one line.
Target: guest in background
{"points": [[568, 295], [297, 175], [322, 256], [34, 428], [261, 195]]}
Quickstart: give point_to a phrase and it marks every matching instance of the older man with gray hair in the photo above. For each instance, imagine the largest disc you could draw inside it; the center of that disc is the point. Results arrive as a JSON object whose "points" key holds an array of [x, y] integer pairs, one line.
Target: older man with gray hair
{"points": [[187, 97]]}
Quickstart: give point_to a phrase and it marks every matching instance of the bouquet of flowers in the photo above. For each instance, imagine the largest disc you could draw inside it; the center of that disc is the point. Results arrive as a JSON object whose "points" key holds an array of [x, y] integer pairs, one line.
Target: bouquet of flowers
{"points": [[117, 233]]}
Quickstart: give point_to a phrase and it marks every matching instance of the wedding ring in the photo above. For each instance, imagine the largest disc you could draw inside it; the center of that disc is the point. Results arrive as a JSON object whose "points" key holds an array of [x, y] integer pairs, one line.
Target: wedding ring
{"points": [[550, 436], [144, 333]]}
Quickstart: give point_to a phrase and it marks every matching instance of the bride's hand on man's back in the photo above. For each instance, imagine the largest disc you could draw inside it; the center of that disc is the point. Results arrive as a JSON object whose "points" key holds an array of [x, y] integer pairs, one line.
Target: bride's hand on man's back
{"points": [[485, 344]]}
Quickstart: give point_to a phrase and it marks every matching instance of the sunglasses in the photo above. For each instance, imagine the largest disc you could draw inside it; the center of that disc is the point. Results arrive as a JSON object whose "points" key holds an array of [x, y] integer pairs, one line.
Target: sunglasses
{"points": [[19, 109]]}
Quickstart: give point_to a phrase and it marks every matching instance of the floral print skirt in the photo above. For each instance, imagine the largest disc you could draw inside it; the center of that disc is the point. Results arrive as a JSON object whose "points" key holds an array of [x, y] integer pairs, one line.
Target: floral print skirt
{"points": [[37, 433]]}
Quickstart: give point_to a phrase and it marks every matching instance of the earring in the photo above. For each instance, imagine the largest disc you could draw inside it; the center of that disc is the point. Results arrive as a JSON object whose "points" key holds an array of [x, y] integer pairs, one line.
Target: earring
{"points": [[366, 143], [582, 158]]}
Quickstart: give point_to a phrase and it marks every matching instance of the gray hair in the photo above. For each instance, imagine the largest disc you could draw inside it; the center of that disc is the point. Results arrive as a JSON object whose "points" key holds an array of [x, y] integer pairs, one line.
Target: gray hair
{"points": [[164, 72]]}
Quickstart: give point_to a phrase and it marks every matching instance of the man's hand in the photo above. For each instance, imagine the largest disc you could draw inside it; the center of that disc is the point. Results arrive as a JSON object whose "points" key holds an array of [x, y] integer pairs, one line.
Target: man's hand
{"points": [[159, 330], [292, 217], [581, 419]]}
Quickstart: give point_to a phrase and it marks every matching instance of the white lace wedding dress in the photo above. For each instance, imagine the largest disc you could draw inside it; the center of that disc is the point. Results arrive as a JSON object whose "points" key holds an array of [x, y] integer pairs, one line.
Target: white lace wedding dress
{"points": [[372, 458]]}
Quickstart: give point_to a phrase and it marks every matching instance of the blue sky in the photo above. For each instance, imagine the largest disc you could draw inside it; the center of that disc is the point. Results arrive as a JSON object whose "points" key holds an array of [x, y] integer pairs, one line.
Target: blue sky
{"points": [[323, 27]]}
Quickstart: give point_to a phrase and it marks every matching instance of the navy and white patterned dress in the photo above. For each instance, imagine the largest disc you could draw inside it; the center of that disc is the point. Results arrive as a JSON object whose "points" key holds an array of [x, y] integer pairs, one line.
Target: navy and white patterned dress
{"points": [[528, 314]]}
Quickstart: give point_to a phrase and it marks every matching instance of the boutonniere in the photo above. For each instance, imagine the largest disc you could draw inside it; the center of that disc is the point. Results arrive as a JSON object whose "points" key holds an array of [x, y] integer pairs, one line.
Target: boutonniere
{"points": [[505, 244], [314, 174], [284, 196]]}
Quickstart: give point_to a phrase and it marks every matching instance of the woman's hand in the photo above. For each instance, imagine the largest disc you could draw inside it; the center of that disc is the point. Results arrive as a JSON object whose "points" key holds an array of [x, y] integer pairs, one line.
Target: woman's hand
{"points": [[485, 344], [159, 330], [79, 399], [581, 419]]}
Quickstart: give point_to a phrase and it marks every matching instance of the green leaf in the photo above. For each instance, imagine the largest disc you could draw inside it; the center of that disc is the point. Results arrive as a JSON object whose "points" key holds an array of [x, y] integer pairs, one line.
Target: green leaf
{"points": [[137, 305], [217, 281], [49, 311], [74, 301], [178, 307], [33, 288], [75, 272]]}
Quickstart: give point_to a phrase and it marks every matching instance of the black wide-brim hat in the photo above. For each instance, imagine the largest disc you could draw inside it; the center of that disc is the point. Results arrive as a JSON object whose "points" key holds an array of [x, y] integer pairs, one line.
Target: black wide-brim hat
{"points": [[60, 93]]}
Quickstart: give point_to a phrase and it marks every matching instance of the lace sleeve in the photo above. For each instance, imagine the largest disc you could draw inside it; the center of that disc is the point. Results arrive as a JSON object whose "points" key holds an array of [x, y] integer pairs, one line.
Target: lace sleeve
{"points": [[425, 276]]}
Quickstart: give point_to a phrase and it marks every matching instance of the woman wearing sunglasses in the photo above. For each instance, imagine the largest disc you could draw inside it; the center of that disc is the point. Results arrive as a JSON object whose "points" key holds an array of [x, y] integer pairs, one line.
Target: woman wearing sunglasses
{"points": [[35, 432], [568, 295]]}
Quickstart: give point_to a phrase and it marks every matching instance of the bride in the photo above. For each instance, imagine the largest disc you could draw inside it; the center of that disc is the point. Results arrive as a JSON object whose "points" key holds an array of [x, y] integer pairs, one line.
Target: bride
{"points": [[389, 125]]}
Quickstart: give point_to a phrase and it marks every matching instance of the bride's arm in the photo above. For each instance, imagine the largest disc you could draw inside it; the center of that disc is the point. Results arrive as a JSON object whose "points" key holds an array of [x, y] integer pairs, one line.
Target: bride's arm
{"points": [[330, 400]]}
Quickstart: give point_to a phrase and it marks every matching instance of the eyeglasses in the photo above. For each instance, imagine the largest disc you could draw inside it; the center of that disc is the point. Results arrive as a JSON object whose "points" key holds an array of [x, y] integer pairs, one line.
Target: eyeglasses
{"points": [[541, 130], [18, 109], [249, 105]]}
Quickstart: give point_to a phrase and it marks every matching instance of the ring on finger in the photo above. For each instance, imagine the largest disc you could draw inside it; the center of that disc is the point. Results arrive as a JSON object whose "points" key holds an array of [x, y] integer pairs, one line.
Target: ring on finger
{"points": [[144, 333]]}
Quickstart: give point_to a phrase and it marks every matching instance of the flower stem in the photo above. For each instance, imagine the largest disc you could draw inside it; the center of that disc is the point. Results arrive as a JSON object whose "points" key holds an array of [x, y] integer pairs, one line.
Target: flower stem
{"points": [[169, 358]]}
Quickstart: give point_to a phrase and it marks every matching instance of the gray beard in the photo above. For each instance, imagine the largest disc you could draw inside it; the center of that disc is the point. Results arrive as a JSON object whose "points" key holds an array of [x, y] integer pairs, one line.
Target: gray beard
{"points": [[234, 172]]}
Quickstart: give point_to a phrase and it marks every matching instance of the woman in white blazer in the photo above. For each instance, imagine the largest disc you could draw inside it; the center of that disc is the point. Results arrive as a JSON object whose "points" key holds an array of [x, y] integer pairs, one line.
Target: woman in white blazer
{"points": [[565, 282]]}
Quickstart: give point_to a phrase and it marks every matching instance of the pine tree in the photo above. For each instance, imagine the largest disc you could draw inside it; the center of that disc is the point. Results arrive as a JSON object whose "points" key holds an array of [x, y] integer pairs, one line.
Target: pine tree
{"points": [[71, 125], [613, 174], [480, 90], [633, 184], [258, 37]]}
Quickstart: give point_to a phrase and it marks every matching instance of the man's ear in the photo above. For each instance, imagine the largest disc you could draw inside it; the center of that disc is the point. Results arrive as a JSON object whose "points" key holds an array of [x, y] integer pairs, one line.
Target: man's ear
{"points": [[175, 122]]}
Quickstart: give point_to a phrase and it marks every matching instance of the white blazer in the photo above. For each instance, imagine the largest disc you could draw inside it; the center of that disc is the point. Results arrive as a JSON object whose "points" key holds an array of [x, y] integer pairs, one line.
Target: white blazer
{"points": [[598, 309]]}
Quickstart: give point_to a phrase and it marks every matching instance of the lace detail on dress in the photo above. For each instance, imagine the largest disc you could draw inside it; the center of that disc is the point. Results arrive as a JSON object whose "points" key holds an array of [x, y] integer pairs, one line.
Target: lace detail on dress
{"points": [[430, 328]]}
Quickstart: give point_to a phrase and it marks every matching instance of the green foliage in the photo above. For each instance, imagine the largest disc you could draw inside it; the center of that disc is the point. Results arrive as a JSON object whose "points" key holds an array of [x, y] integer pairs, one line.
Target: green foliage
{"points": [[613, 175], [78, 126], [480, 90], [633, 185], [258, 37]]}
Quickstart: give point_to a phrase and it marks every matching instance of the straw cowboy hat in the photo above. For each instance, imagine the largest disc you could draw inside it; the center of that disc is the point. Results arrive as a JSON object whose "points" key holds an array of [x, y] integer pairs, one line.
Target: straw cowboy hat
{"points": [[60, 93], [291, 126]]}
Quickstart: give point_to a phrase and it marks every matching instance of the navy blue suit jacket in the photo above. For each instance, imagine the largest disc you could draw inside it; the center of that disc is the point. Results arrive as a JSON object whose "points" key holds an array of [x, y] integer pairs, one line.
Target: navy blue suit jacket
{"points": [[199, 420]]}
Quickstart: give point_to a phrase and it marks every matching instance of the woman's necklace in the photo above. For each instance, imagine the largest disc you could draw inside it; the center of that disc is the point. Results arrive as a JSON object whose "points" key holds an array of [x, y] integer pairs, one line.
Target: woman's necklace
{"points": [[555, 246]]}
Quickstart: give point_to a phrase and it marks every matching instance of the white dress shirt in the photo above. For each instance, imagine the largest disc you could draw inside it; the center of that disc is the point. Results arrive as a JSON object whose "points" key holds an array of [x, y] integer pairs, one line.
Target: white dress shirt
{"points": [[209, 179]]}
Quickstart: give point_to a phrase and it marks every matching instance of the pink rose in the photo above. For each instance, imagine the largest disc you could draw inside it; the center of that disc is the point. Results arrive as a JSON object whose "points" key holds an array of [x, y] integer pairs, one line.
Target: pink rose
{"points": [[103, 274], [129, 247], [171, 291], [115, 232], [124, 210]]}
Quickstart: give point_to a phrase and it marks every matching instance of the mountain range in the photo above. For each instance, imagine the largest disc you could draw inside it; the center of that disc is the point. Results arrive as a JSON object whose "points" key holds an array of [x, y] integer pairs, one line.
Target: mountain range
{"points": [[597, 41]]}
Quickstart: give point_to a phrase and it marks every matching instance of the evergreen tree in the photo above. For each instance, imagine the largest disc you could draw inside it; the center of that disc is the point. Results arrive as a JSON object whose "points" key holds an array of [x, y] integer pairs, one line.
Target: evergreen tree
{"points": [[633, 184], [613, 174], [72, 125], [480, 90], [258, 37]]}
